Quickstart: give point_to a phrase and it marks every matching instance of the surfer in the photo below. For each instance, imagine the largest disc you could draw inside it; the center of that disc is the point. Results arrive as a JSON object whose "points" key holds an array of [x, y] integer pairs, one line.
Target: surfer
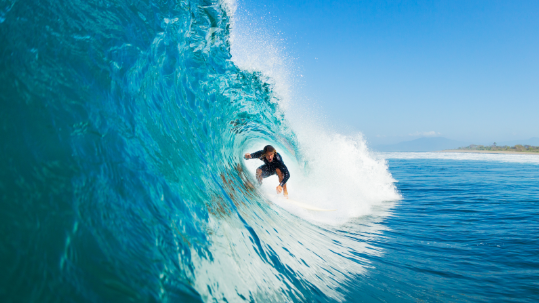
{"points": [[273, 163]]}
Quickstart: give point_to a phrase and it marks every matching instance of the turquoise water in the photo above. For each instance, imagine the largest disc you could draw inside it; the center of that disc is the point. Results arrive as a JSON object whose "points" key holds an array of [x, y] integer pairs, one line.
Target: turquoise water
{"points": [[123, 127]]}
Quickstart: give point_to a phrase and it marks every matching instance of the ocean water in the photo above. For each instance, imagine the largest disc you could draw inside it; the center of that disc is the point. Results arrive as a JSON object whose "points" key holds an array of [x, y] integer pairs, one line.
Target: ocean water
{"points": [[123, 126], [465, 231]]}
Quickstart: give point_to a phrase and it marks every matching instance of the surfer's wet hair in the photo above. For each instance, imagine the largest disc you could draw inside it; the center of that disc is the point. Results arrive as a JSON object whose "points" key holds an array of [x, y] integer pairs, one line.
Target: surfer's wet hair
{"points": [[268, 149]]}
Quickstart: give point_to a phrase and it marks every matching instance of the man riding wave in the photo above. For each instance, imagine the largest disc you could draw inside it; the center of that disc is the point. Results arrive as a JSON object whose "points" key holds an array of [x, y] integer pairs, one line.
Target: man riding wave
{"points": [[273, 163]]}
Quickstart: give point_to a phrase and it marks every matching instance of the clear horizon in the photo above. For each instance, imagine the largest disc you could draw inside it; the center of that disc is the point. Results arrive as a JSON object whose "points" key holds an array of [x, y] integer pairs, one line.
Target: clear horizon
{"points": [[465, 70]]}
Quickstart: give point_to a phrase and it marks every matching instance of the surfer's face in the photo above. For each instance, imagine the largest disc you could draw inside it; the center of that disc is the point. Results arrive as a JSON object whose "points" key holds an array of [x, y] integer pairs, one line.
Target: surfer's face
{"points": [[270, 156]]}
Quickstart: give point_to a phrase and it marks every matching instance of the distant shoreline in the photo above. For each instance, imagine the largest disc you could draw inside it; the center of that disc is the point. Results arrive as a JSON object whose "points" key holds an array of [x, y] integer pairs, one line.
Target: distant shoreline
{"points": [[486, 152]]}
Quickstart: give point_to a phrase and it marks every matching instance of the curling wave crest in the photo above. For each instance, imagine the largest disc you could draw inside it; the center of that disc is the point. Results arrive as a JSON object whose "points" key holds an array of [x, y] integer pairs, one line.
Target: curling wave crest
{"points": [[124, 178]]}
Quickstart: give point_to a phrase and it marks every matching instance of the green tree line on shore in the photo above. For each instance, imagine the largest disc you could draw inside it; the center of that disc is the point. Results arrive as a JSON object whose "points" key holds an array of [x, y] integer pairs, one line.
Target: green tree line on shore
{"points": [[494, 147]]}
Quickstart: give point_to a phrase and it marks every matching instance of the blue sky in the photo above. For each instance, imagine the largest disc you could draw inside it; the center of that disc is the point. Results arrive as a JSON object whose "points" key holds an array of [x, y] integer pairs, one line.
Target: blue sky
{"points": [[398, 70]]}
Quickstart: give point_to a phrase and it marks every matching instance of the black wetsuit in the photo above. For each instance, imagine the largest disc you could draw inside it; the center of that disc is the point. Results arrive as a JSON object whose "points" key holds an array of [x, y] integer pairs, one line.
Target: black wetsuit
{"points": [[269, 168]]}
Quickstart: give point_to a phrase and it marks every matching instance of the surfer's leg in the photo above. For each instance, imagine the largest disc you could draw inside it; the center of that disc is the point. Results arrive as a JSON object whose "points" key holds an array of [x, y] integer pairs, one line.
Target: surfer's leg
{"points": [[280, 174], [259, 175], [263, 172]]}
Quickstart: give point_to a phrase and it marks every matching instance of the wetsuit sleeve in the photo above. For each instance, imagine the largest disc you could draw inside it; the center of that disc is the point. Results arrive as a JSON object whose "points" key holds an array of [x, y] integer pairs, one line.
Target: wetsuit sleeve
{"points": [[256, 155], [284, 170], [286, 174]]}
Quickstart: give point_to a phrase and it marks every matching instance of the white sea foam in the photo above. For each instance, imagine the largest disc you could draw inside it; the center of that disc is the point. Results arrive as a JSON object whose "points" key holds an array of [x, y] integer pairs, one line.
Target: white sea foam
{"points": [[513, 158], [230, 7], [337, 172], [256, 47]]}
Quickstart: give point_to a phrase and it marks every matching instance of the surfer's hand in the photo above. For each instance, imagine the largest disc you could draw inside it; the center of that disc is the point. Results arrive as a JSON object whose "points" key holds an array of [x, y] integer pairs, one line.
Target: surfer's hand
{"points": [[279, 189], [247, 156]]}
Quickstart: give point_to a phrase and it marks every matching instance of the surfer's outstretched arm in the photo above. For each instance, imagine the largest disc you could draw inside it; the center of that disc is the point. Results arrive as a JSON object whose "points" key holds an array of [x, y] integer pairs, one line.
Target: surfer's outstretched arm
{"points": [[255, 155]]}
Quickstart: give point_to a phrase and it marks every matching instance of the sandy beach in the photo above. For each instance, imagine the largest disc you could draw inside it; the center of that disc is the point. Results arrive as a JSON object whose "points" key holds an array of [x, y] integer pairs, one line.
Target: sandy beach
{"points": [[486, 152]]}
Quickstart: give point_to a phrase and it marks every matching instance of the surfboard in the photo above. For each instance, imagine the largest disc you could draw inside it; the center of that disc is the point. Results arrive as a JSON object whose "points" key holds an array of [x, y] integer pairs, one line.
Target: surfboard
{"points": [[303, 205]]}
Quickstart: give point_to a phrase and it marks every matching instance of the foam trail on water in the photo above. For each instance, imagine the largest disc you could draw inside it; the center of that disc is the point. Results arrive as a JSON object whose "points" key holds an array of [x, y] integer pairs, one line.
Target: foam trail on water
{"points": [[511, 158]]}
